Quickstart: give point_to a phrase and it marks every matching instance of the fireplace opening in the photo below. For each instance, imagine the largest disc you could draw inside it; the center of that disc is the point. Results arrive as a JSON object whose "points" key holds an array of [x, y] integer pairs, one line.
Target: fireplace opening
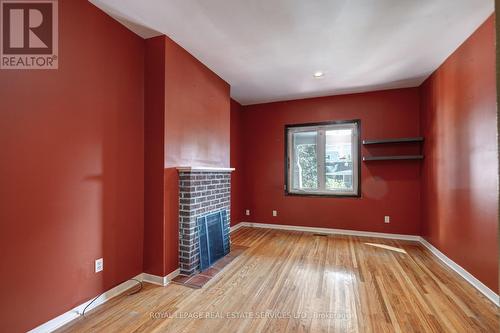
{"points": [[213, 241]]}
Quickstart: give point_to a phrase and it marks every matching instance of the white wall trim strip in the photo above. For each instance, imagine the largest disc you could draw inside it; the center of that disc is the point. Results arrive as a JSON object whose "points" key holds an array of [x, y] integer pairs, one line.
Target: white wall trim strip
{"points": [[160, 280], [481, 287], [329, 231], [237, 226]]}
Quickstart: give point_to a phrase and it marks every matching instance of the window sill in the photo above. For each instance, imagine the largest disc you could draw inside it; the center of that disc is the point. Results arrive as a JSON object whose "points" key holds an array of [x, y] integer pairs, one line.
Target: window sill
{"points": [[327, 195]]}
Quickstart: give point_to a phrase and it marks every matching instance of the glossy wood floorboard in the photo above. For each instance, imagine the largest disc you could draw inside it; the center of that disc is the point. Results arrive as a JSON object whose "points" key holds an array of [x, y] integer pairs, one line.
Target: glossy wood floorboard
{"points": [[300, 282]]}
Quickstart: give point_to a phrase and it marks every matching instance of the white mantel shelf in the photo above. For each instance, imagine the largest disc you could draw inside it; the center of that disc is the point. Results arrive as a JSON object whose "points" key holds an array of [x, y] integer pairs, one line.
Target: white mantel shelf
{"points": [[204, 169]]}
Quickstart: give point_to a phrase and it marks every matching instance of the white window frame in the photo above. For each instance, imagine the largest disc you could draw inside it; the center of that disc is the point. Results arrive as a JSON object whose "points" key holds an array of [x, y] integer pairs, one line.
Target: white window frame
{"points": [[320, 129]]}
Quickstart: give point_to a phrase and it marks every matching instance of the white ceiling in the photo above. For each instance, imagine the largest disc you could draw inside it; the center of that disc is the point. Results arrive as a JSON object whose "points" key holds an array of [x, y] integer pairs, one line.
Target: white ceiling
{"points": [[267, 50]]}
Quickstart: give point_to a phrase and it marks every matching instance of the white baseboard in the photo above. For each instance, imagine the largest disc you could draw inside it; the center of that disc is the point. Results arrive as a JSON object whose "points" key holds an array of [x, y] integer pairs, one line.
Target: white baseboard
{"points": [[481, 287], [76, 312], [237, 226], [329, 231], [160, 280]]}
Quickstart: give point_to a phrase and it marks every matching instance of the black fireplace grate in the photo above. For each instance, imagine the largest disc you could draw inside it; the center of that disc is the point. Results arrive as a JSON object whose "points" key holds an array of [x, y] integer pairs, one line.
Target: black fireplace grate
{"points": [[214, 244]]}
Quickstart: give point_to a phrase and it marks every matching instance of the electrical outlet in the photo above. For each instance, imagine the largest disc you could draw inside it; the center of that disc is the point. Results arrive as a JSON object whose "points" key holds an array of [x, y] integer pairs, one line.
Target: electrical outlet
{"points": [[275, 213], [99, 265], [387, 219], [247, 212]]}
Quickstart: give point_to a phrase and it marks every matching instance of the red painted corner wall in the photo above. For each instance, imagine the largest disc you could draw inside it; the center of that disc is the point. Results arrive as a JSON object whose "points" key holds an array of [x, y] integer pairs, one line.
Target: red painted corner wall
{"points": [[71, 171], [197, 130], [388, 188], [237, 153], [187, 123], [154, 155], [459, 187]]}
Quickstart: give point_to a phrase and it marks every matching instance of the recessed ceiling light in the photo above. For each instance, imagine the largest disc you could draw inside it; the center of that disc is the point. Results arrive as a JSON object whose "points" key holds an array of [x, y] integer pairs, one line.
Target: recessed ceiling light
{"points": [[318, 75]]}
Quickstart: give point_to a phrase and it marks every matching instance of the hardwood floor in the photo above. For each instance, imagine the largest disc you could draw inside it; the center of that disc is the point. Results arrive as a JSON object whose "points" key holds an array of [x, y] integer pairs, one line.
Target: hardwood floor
{"points": [[300, 282]]}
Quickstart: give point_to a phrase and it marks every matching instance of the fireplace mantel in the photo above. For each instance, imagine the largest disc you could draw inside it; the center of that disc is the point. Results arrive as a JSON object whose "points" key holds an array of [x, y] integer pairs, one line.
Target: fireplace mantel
{"points": [[203, 169]]}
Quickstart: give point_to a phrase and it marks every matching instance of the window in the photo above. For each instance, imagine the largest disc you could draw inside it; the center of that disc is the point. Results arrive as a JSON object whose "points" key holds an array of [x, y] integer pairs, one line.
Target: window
{"points": [[323, 159]]}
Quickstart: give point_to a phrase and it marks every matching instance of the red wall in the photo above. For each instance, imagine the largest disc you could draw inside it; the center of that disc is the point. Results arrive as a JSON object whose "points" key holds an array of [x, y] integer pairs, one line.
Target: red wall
{"points": [[460, 204], [237, 153], [193, 105], [197, 112], [197, 121], [71, 171], [388, 188]]}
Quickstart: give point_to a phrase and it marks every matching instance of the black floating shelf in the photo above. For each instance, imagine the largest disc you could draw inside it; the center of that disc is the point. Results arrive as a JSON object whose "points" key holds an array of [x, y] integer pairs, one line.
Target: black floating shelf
{"points": [[395, 157], [395, 140]]}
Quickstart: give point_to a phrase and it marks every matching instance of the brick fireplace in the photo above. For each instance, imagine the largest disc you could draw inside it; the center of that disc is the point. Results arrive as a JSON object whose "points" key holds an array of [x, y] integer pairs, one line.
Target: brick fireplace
{"points": [[201, 191]]}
